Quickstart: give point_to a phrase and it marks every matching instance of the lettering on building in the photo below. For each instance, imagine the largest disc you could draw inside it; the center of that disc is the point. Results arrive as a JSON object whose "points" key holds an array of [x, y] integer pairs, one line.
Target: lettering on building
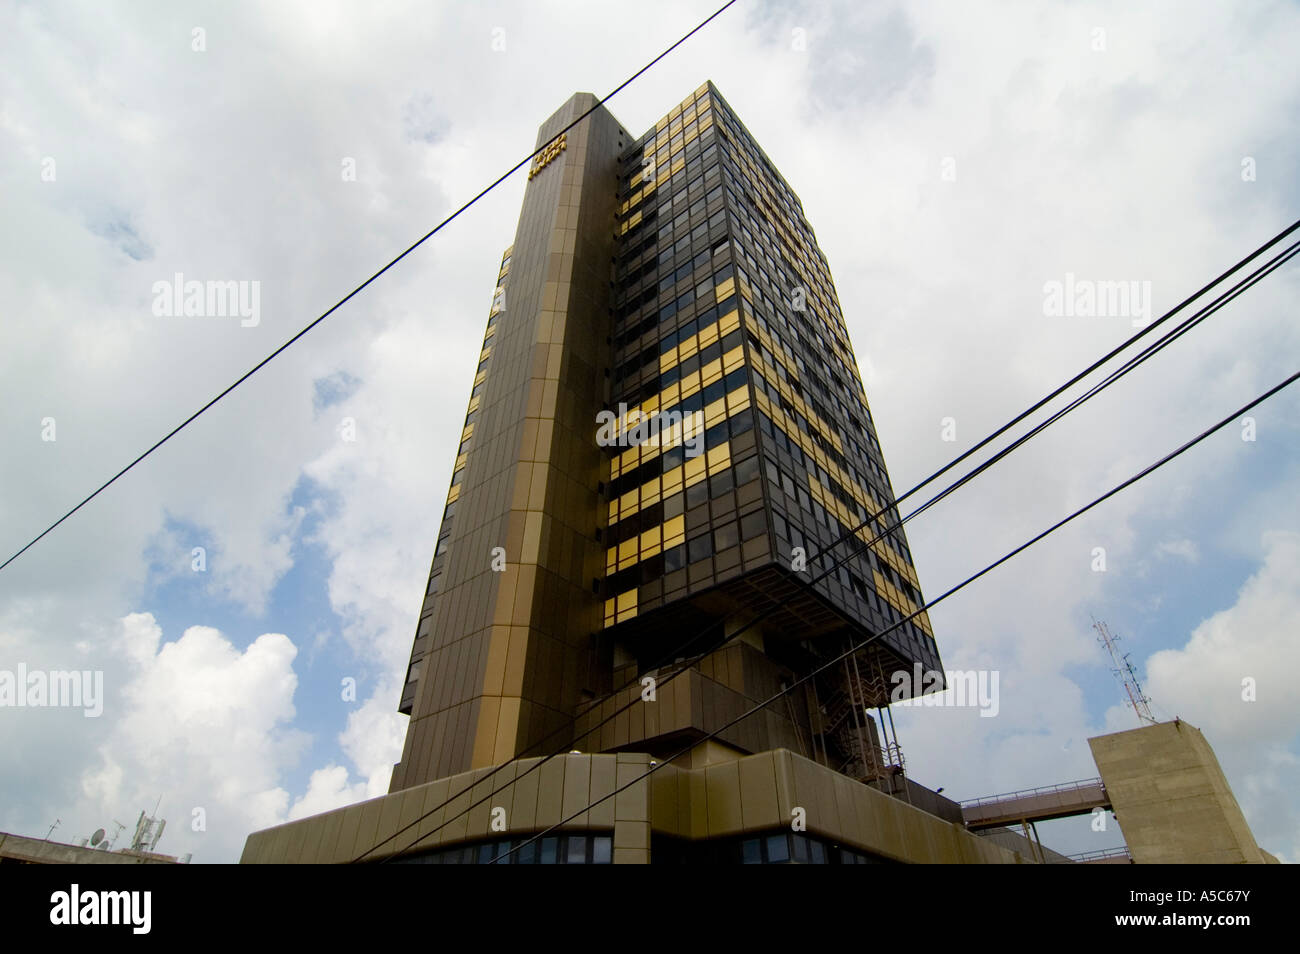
{"points": [[548, 155]]}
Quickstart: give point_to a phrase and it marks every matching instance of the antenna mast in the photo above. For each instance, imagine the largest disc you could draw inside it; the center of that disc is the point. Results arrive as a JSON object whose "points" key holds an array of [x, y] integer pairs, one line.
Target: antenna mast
{"points": [[1124, 670]]}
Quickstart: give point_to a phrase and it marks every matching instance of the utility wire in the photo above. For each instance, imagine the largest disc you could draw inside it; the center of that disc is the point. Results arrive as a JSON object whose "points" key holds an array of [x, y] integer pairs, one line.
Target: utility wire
{"points": [[1146, 354], [960, 586], [1182, 328], [350, 295]]}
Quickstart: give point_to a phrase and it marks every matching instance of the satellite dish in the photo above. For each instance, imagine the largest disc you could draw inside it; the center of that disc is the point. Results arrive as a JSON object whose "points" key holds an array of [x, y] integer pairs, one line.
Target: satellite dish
{"points": [[98, 836]]}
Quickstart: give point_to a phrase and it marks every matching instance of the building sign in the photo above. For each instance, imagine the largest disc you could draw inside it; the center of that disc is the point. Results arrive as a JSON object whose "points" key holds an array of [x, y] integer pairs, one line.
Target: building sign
{"points": [[547, 155]]}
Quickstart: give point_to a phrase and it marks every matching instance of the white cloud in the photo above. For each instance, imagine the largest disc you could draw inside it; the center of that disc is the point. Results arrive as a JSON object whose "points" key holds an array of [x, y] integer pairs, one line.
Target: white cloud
{"points": [[1182, 549], [203, 726], [327, 789], [373, 737], [372, 742], [1254, 639]]}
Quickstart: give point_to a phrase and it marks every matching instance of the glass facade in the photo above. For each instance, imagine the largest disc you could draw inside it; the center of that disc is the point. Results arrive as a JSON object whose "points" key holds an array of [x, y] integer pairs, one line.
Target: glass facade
{"points": [[724, 305], [769, 848], [596, 848], [581, 848]]}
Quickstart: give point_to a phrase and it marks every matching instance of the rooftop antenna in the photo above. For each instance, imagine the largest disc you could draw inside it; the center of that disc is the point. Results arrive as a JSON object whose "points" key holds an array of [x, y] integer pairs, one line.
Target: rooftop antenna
{"points": [[1123, 669], [52, 827], [148, 830]]}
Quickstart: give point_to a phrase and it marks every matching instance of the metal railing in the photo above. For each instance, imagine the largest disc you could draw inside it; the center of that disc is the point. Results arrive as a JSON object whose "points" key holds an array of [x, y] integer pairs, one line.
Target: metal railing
{"points": [[1100, 854], [1075, 786]]}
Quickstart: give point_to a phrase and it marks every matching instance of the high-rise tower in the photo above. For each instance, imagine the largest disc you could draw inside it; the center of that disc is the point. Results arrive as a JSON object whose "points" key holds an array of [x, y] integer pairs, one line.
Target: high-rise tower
{"points": [[666, 433], [672, 284]]}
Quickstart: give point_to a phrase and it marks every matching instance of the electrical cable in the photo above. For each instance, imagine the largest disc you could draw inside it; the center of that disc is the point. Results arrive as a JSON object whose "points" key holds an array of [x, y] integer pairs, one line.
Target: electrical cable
{"points": [[350, 295]]}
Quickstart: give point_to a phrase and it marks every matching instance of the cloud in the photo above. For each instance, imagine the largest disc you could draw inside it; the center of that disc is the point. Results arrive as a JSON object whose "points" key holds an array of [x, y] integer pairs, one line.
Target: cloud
{"points": [[206, 728], [373, 742], [327, 790], [1182, 549], [1252, 640]]}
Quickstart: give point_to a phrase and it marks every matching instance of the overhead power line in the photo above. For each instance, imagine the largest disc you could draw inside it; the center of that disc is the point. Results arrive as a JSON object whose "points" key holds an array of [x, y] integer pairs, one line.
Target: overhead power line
{"points": [[356, 291], [858, 647], [1237, 289]]}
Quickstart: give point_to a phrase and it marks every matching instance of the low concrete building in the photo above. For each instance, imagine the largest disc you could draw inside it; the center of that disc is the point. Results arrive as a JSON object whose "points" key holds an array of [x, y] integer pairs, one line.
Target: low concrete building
{"points": [[773, 807], [720, 806], [19, 849]]}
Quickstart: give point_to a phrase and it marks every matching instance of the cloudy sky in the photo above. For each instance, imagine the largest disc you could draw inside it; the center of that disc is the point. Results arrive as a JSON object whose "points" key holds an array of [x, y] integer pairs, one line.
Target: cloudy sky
{"points": [[954, 159]]}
